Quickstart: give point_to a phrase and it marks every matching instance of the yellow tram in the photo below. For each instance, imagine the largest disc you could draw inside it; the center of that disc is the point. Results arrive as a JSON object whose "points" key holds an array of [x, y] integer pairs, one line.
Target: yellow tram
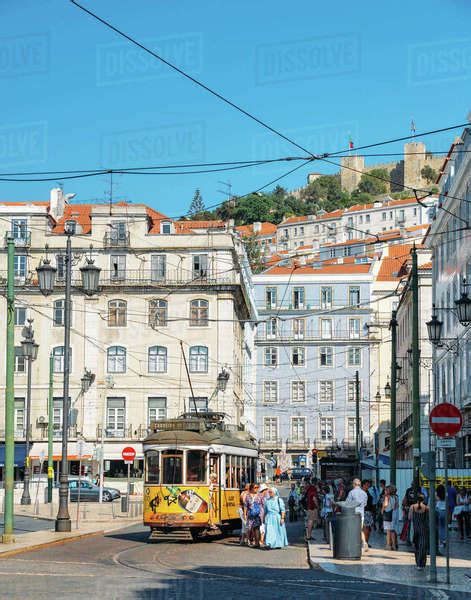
{"points": [[195, 468]]}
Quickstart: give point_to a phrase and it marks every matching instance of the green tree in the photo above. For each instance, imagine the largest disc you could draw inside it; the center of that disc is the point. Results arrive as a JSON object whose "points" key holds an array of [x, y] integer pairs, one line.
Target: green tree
{"points": [[428, 174], [197, 204], [254, 253], [375, 182], [325, 193]]}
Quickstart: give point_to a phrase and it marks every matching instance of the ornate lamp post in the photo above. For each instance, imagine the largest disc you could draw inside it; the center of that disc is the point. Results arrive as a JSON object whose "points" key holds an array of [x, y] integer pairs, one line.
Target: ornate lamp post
{"points": [[90, 280], [463, 306], [30, 352]]}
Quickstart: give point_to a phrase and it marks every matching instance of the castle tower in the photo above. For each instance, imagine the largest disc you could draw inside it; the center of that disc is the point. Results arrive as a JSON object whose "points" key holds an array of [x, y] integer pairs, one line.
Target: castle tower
{"points": [[414, 161], [349, 179]]}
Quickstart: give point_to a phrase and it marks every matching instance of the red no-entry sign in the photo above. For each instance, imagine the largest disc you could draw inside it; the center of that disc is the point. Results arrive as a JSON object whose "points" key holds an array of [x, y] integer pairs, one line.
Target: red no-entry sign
{"points": [[445, 420], [128, 454]]}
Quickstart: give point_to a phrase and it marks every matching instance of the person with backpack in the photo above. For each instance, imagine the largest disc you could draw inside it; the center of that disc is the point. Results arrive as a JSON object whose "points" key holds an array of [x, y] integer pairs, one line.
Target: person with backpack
{"points": [[293, 500], [253, 513], [311, 504], [327, 510], [274, 521], [410, 498]]}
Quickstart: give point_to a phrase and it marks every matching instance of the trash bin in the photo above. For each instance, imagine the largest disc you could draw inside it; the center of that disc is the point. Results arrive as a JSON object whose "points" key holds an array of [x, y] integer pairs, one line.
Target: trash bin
{"points": [[124, 503], [347, 534]]}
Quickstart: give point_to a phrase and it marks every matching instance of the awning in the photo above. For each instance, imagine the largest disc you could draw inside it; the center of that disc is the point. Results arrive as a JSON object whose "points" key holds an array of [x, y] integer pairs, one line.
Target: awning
{"points": [[39, 451], [20, 454], [113, 450]]}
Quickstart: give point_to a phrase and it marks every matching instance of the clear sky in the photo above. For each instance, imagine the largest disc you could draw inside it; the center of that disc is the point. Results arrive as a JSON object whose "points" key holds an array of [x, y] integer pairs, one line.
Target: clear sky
{"points": [[74, 95]]}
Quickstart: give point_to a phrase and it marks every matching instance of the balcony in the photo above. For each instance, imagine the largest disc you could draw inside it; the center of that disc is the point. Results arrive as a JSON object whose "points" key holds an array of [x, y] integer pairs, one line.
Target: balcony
{"points": [[298, 444], [314, 305], [270, 444], [125, 433], [22, 239], [309, 336], [116, 239]]}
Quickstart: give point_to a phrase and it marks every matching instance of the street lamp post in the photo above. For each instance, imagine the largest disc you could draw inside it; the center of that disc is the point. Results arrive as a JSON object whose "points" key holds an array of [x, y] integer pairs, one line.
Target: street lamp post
{"points": [[90, 279], [30, 352]]}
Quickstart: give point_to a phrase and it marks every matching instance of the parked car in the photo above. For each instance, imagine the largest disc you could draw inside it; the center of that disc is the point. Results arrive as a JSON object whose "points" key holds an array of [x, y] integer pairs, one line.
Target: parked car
{"points": [[89, 492], [300, 472]]}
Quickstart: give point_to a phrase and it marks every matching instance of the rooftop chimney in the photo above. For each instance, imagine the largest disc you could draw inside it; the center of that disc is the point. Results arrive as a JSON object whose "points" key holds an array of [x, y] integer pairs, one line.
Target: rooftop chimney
{"points": [[257, 227], [56, 203]]}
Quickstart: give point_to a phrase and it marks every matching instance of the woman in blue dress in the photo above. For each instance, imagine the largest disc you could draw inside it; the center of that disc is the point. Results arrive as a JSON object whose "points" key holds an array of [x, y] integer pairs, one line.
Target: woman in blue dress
{"points": [[274, 519]]}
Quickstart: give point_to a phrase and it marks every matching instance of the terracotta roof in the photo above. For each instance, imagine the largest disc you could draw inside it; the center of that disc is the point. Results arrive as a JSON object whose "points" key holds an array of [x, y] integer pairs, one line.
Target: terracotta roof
{"points": [[265, 229], [294, 220], [77, 212], [394, 266], [427, 265], [306, 247], [336, 269], [331, 215], [189, 226], [26, 203]]}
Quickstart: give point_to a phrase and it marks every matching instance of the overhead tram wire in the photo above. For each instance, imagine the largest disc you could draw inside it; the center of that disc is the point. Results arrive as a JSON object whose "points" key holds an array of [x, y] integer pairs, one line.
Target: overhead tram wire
{"points": [[191, 78]]}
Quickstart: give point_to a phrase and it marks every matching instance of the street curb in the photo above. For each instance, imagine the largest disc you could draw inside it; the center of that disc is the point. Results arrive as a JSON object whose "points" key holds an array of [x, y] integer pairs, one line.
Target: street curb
{"points": [[49, 544]]}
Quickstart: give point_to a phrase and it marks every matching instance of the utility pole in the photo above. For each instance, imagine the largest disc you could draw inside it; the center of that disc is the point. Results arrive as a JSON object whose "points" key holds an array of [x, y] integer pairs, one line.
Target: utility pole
{"points": [[392, 418], [9, 469], [415, 368], [357, 421], [50, 430]]}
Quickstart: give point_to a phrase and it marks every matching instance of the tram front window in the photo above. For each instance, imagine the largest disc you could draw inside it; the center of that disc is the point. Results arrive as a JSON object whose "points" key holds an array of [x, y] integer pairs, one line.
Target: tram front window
{"points": [[195, 466], [152, 467], [172, 463]]}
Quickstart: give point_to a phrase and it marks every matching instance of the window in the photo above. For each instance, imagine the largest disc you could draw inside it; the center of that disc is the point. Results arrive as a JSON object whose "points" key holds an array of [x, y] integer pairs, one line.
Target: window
{"points": [[351, 391], [57, 411], [299, 327], [157, 359], [198, 359], [383, 216], [326, 356], [301, 231], [270, 429], [172, 468], [352, 429], [270, 296], [58, 313], [158, 313], [58, 359], [200, 402], [60, 266], [360, 219], [19, 229], [20, 315], [270, 391], [298, 297], [390, 214], [200, 266], [152, 466], [354, 296], [116, 359], [326, 329], [298, 356], [156, 409], [158, 267], [368, 218], [271, 328], [199, 313], [298, 429], [298, 392], [117, 310], [402, 216], [19, 264], [118, 267], [115, 417], [326, 296], [166, 227], [415, 212], [354, 357], [20, 361], [327, 428], [354, 328], [326, 391], [195, 466], [118, 232], [271, 357], [19, 416]]}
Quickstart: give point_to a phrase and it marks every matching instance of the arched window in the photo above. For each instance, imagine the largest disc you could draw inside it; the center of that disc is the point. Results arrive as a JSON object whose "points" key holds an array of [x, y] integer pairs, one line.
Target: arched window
{"points": [[158, 313], [116, 359], [198, 359], [58, 314], [117, 313], [199, 313], [157, 362], [58, 357]]}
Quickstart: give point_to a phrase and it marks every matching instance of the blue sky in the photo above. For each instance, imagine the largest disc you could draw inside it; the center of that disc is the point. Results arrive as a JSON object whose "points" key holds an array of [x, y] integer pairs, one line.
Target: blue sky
{"points": [[77, 96]]}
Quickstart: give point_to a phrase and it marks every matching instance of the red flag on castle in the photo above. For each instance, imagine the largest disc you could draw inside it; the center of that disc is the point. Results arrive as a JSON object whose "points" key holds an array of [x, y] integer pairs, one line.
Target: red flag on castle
{"points": [[350, 142], [412, 127]]}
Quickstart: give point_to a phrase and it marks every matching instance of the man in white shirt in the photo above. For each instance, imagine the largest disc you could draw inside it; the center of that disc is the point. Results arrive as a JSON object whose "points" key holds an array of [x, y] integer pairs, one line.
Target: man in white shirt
{"points": [[360, 498]]}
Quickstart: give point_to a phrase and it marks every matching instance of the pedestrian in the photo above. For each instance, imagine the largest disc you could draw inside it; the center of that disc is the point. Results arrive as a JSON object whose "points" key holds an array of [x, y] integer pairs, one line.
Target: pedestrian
{"points": [[327, 509], [293, 500], [369, 511], [451, 491], [262, 497], [462, 512], [390, 511], [410, 498], [277, 475], [274, 521], [341, 490], [253, 515], [243, 530], [311, 503], [379, 504], [359, 497], [441, 514], [418, 516]]}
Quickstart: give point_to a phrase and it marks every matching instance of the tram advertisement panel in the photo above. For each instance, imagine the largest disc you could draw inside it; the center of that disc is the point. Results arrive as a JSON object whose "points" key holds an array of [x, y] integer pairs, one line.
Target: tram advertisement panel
{"points": [[169, 504]]}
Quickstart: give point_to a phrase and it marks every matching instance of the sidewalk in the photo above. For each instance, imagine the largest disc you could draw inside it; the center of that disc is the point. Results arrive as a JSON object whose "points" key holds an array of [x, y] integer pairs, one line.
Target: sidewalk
{"points": [[396, 566], [94, 519]]}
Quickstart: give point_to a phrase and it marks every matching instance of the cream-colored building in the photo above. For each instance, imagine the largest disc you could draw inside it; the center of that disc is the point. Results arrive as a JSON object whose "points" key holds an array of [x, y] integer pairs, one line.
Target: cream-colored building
{"points": [[168, 294]]}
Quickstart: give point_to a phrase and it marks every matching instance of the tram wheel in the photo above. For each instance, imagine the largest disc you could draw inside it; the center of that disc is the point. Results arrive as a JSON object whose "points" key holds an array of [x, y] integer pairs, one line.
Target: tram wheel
{"points": [[196, 534]]}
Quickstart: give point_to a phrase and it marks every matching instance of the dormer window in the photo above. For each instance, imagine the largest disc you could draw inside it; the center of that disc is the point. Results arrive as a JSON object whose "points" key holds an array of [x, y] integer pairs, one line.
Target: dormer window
{"points": [[166, 227]]}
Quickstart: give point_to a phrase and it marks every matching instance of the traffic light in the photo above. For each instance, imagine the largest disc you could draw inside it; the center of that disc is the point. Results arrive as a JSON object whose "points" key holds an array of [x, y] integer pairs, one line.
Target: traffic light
{"points": [[314, 456]]}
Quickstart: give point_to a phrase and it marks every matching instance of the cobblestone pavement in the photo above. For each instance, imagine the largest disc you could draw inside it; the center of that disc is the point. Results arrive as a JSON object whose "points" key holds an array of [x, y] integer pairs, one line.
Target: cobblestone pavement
{"points": [[27, 524], [125, 565]]}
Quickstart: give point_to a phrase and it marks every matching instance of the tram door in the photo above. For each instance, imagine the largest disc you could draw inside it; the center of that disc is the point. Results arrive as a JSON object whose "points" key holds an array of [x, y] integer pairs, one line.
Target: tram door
{"points": [[214, 488]]}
